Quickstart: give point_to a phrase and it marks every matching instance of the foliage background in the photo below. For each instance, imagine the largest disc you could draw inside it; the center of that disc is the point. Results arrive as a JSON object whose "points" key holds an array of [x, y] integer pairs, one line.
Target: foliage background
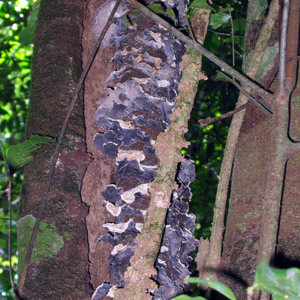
{"points": [[15, 68], [207, 144], [214, 98]]}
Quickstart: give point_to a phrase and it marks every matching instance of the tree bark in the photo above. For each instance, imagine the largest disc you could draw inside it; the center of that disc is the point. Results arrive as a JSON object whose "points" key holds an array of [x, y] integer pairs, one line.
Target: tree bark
{"points": [[59, 264], [130, 91], [102, 169], [258, 175]]}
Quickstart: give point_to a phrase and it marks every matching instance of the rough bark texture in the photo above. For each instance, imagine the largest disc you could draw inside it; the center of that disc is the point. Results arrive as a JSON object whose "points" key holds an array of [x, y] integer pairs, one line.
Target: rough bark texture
{"points": [[59, 268], [250, 170], [258, 176], [129, 97], [102, 169], [288, 250]]}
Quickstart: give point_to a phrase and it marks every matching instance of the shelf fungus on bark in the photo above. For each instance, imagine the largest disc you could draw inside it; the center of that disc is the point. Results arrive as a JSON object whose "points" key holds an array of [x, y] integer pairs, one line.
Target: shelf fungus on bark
{"points": [[138, 106], [178, 241]]}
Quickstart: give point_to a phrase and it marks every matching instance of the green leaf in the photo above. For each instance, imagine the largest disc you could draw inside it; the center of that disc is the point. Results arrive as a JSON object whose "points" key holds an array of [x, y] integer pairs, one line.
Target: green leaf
{"points": [[214, 284], [134, 11], [281, 283], [186, 297], [226, 9], [171, 13], [202, 4], [221, 288], [263, 3], [157, 8], [197, 281], [126, 21], [27, 33], [218, 19], [2, 152], [240, 26], [20, 155]]}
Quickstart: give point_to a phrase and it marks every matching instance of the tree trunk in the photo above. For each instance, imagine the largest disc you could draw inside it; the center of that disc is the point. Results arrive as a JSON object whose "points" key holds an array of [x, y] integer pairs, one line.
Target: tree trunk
{"points": [[59, 265], [130, 91], [134, 135], [251, 177]]}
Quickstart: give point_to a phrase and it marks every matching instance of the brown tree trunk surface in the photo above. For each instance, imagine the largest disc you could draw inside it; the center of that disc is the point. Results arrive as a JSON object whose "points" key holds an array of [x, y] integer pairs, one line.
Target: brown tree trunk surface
{"points": [[59, 265], [251, 165], [100, 172]]}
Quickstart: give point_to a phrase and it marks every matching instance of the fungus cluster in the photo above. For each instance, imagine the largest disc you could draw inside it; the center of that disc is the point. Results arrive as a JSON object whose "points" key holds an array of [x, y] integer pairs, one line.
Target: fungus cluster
{"points": [[178, 241], [138, 106]]}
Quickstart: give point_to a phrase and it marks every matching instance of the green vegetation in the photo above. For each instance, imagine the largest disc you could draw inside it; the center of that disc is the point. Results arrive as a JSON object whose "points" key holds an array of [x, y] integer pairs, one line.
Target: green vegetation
{"points": [[15, 68], [280, 283], [214, 98], [48, 242]]}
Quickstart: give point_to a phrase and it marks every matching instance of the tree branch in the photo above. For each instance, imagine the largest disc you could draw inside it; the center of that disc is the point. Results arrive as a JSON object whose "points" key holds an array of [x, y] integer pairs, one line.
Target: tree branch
{"points": [[251, 98], [293, 42], [58, 146], [190, 43], [233, 42], [205, 122]]}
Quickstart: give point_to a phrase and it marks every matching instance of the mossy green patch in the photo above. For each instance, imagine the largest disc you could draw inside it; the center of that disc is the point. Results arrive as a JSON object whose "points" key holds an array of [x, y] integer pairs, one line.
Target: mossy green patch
{"points": [[267, 61], [241, 227], [154, 225], [67, 235], [194, 54], [47, 243], [251, 215]]}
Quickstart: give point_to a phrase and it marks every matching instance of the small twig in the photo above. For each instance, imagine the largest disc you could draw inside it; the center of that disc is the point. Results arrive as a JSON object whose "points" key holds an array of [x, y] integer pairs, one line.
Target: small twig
{"points": [[190, 43], [57, 150], [251, 98], [189, 25], [233, 46], [225, 34], [191, 31], [205, 122]]}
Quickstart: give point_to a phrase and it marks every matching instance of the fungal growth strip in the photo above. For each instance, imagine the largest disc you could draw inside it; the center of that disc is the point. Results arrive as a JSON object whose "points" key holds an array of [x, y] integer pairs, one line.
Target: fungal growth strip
{"points": [[138, 106]]}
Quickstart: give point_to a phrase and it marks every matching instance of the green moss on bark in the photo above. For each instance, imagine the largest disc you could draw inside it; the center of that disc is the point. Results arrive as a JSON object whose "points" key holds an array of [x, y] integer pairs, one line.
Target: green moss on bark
{"points": [[47, 244]]}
